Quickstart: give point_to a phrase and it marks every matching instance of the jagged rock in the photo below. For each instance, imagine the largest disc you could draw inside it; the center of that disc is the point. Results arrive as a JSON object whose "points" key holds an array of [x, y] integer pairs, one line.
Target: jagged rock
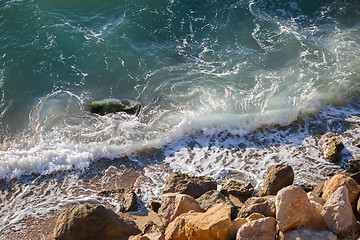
{"points": [[154, 205], [313, 197], [190, 185], [234, 227], [307, 234], [277, 177], [107, 106], [354, 164], [237, 189], [293, 208], [261, 229], [337, 212], [175, 204], [340, 180], [125, 196], [331, 146], [176, 229], [212, 197], [82, 222], [213, 224], [318, 190], [263, 205]]}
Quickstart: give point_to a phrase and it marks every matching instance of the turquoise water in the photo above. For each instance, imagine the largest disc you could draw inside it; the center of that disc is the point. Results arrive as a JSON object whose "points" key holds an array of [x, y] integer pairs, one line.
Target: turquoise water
{"points": [[204, 66]]}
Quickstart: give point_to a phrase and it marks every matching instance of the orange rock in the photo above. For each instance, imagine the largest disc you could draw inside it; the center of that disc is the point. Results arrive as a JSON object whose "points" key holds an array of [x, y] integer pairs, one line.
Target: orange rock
{"points": [[261, 229], [338, 180], [175, 204], [176, 229], [235, 225], [255, 216], [213, 224], [293, 208]]}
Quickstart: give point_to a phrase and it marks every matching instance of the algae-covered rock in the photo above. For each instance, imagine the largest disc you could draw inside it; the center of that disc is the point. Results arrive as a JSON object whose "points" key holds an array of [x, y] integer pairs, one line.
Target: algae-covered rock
{"points": [[107, 106], [331, 146]]}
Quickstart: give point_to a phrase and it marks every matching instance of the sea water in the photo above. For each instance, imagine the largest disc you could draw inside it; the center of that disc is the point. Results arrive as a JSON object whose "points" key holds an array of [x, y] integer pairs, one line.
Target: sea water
{"points": [[227, 88]]}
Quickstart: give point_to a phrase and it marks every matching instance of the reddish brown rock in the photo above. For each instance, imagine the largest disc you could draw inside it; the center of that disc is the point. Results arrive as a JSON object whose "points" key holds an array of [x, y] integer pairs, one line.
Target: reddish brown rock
{"points": [[235, 225], [293, 208], [277, 177], [261, 229], [237, 189], [254, 216], [82, 222], [263, 205], [338, 180], [176, 229], [213, 224], [337, 212], [175, 204]]}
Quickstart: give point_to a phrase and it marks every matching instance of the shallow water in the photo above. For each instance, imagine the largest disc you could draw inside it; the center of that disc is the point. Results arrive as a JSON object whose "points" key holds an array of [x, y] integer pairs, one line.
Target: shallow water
{"points": [[227, 89]]}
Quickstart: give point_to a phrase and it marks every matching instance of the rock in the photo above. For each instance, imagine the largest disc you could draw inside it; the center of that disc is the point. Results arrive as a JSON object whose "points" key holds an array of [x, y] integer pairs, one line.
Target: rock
{"points": [[354, 164], [357, 143], [148, 236], [318, 190], [263, 205], [306, 234], [316, 221], [337, 212], [261, 229], [338, 180], [190, 185], [175, 204], [213, 224], [331, 146], [313, 197], [235, 188], [212, 197], [151, 227], [293, 208], [92, 222], [125, 196], [277, 177], [154, 205], [254, 216], [356, 177], [176, 229], [234, 227], [107, 106], [307, 187]]}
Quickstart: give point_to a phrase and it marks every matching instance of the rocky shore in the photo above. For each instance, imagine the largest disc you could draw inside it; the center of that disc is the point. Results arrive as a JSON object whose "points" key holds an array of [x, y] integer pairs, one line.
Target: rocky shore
{"points": [[194, 207]]}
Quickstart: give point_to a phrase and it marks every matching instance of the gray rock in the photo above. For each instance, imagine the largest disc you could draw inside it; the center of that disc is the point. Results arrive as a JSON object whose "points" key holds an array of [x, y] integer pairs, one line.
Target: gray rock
{"points": [[107, 106], [277, 177], [264, 205], [82, 222], [306, 234], [212, 197], [190, 185], [331, 146], [237, 189], [318, 190], [125, 196]]}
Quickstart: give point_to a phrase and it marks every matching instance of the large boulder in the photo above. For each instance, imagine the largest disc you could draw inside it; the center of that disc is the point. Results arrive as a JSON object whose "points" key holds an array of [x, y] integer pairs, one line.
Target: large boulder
{"points": [[82, 222], [293, 208], [125, 196], [213, 224], [212, 197], [107, 106], [307, 234], [175, 204], [331, 146], [261, 229], [277, 177], [176, 229], [237, 189], [339, 180], [263, 205], [191, 185], [337, 212]]}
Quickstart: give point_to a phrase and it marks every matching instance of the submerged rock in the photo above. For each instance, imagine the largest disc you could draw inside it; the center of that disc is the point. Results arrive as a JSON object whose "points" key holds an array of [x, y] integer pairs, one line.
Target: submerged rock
{"points": [[125, 196], [331, 146], [107, 106]]}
